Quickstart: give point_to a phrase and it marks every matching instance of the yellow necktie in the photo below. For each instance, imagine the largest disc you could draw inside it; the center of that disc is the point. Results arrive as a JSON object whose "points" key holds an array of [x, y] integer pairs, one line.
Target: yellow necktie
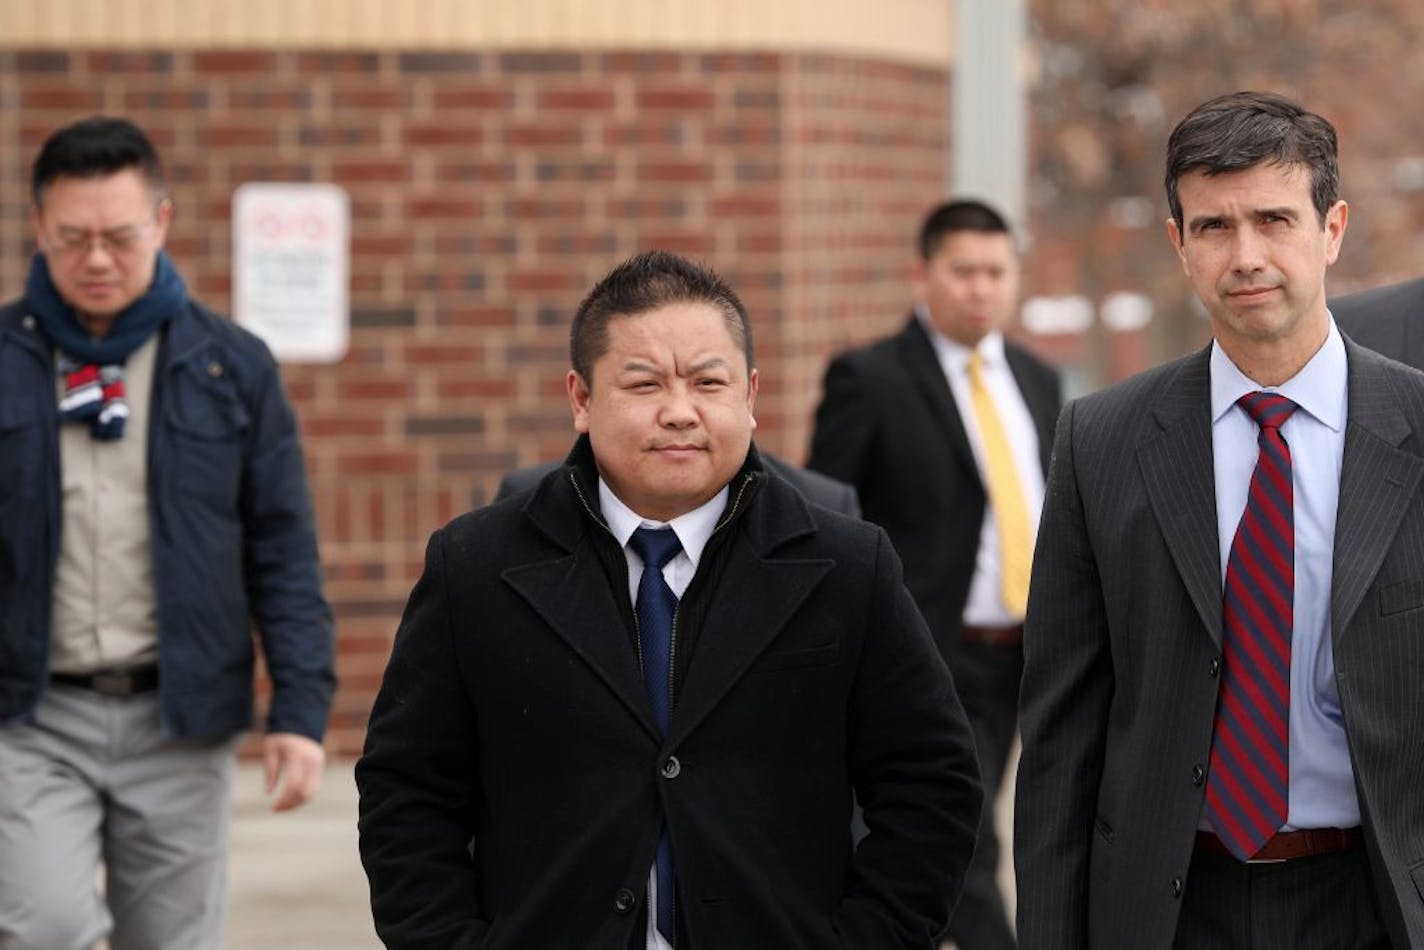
{"points": [[1005, 494]]}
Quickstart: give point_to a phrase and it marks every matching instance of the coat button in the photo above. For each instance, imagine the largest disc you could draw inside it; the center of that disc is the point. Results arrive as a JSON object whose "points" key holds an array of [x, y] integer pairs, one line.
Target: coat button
{"points": [[215, 370], [1214, 668], [672, 768], [624, 901], [1176, 887], [1198, 774], [29, 322]]}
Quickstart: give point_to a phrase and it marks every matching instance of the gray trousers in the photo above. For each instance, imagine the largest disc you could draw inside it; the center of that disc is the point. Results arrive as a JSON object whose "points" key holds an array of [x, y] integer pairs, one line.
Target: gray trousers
{"points": [[93, 780]]}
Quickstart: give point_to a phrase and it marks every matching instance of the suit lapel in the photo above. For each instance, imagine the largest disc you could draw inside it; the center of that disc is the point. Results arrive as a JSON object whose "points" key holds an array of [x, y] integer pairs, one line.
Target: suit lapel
{"points": [[922, 365], [1176, 466], [1377, 480]]}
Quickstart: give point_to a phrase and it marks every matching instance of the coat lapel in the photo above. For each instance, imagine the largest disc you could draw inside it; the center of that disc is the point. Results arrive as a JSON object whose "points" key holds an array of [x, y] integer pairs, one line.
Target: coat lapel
{"points": [[573, 596], [756, 597], [1176, 464], [1377, 480]]}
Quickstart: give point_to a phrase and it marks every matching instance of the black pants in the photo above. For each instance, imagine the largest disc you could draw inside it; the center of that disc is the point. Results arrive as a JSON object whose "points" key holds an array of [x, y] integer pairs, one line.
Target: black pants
{"points": [[1326, 902]]}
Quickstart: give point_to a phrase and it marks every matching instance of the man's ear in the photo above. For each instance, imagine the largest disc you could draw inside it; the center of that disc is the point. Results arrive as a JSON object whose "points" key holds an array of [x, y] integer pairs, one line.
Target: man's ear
{"points": [[163, 216], [578, 400], [917, 271], [37, 226], [751, 396], [1335, 221], [1174, 235]]}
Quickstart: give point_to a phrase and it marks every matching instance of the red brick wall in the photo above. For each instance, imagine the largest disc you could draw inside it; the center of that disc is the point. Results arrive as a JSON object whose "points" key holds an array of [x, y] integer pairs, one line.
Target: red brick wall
{"points": [[489, 191], [868, 157]]}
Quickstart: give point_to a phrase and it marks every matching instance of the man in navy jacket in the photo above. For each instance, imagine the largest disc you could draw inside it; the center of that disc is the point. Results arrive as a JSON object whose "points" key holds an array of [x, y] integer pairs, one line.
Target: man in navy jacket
{"points": [[153, 510]]}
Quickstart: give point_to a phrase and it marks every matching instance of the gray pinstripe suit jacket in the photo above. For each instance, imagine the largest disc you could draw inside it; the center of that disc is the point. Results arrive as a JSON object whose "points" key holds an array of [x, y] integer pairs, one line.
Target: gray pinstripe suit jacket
{"points": [[1124, 634]]}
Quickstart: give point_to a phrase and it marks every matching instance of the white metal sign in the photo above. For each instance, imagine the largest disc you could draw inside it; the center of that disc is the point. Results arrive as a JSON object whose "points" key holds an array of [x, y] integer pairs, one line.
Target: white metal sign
{"points": [[291, 268]]}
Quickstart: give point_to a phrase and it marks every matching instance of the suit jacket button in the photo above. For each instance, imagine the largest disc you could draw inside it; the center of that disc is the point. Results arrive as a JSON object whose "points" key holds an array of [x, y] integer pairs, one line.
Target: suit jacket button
{"points": [[623, 902], [1176, 887], [1198, 774], [1214, 669], [672, 768], [29, 322]]}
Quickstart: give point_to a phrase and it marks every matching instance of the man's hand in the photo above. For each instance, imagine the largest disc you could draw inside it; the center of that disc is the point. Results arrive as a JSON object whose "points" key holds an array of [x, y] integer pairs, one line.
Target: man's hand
{"points": [[294, 761]]}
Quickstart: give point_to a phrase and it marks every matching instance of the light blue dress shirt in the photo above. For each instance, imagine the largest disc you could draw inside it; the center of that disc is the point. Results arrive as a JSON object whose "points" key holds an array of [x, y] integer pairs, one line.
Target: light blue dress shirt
{"points": [[1322, 783]]}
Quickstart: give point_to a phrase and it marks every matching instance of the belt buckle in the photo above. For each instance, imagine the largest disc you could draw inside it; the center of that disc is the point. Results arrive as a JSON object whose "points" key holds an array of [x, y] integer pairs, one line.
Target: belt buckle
{"points": [[114, 683]]}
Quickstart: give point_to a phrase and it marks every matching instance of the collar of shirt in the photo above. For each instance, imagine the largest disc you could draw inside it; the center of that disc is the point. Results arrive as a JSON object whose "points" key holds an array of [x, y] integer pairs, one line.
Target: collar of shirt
{"points": [[693, 528], [954, 355], [1319, 388]]}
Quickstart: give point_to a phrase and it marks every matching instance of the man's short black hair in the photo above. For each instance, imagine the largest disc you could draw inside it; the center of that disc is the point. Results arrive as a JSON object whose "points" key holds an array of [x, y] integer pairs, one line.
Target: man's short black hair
{"points": [[1243, 129], [96, 148], [643, 283], [964, 214]]}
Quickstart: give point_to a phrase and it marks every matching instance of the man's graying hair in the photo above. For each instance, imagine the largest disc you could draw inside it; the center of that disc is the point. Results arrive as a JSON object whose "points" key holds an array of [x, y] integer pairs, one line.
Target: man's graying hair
{"points": [[1244, 129], [647, 282]]}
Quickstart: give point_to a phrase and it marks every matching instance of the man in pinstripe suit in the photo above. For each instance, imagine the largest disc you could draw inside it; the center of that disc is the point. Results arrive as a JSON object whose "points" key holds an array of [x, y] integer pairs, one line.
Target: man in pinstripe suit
{"points": [[1222, 717]]}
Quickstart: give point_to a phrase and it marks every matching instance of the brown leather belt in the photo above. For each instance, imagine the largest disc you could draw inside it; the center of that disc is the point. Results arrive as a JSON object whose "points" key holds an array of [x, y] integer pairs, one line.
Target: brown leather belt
{"points": [[118, 683], [994, 636], [1289, 845]]}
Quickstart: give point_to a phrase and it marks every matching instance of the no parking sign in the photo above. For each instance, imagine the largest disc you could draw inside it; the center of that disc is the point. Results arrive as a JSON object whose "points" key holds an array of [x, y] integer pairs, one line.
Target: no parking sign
{"points": [[291, 268]]}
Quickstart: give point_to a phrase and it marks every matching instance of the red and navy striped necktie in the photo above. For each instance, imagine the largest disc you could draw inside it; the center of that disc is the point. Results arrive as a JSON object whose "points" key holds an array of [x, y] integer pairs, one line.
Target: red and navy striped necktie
{"points": [[1247, 793]]}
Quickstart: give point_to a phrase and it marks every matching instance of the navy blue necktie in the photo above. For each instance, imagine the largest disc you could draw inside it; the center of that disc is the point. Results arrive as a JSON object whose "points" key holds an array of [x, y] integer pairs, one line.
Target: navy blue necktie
{"points": [[656, 606]]}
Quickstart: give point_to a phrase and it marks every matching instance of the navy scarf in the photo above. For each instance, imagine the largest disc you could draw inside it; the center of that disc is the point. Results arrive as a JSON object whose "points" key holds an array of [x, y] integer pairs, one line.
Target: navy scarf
{"points": [[93, 369]]}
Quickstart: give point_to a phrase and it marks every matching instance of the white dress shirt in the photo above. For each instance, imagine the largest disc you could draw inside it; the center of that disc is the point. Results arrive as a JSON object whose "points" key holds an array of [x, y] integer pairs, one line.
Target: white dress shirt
{"points": [[693, 530], [985, 604], [1322, 783]]}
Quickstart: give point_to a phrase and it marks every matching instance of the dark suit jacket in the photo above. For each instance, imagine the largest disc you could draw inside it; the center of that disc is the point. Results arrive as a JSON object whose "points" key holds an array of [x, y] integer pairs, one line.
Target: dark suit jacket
{"points": [[887, 424], [1388, 320], [1123, 642], [513, 712], [825, 491]]}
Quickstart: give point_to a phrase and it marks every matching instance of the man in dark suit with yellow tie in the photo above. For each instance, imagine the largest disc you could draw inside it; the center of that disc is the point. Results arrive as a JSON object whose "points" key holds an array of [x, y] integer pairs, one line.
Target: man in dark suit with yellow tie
{"points": [[944, 429], [627, 708], [1223, 730]]}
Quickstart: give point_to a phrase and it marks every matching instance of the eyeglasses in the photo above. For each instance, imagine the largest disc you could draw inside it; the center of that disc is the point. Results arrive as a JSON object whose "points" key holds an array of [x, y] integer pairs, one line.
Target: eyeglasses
{"points": [[116, 242]]}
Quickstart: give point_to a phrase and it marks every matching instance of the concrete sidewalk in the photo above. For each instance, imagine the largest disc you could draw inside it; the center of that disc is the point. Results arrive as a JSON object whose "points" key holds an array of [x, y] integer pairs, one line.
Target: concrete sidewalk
{"points": [[295, 880]]}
